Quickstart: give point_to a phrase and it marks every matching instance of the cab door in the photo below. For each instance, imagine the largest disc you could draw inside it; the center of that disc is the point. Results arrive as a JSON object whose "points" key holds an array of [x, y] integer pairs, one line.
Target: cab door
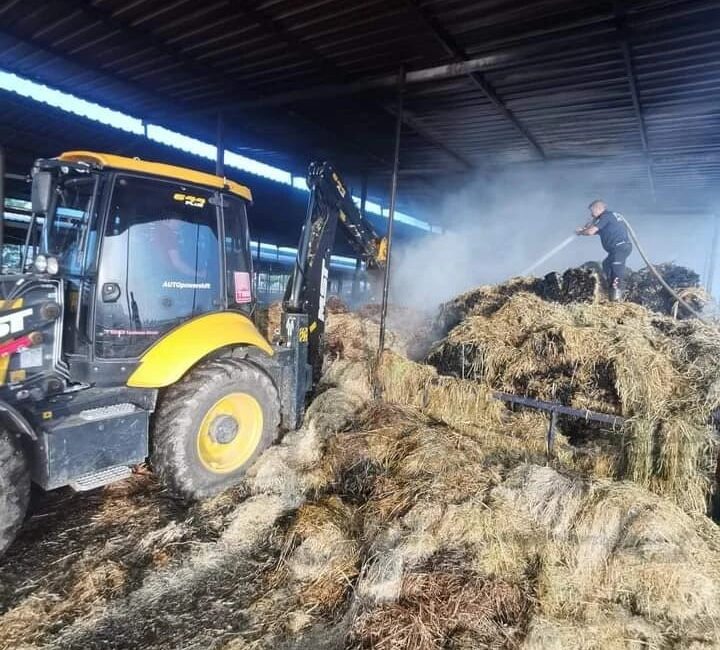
{"points": [[159, 264]]}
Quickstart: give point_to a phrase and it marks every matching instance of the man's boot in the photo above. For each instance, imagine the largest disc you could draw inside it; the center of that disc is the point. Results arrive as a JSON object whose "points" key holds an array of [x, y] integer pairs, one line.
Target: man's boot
{"points": [[616, 294]]}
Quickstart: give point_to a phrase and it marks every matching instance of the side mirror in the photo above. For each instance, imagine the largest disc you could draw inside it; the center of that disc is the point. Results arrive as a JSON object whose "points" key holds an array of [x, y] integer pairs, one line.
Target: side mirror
{"points": [[41, 194]]}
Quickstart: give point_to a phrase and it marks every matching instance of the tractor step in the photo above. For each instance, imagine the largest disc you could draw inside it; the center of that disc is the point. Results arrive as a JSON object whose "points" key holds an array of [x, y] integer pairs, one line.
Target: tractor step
{"points": [[98, 479]]}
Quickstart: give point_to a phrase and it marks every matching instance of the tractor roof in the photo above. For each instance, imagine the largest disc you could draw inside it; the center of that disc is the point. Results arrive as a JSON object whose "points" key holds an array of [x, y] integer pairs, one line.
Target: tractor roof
{"points": [[111, 161]]}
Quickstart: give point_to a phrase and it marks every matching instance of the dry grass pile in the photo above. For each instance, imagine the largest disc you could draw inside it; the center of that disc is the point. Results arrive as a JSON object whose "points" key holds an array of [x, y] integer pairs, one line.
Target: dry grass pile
{"points": [[585, 284], [459, 544], [322, 554], [350, 336], [440, 609], [614, 358], [422, 521], [574, 285], [620, 564]]}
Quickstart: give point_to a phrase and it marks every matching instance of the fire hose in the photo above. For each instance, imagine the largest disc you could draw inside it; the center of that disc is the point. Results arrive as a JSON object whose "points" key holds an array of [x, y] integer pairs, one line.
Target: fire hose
{"points": [[657, 274]]}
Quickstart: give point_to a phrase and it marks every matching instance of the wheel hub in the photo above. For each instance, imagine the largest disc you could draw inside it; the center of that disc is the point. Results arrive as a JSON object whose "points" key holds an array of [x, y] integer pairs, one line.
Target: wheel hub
{"points": [[230, 432], [224, 429]]}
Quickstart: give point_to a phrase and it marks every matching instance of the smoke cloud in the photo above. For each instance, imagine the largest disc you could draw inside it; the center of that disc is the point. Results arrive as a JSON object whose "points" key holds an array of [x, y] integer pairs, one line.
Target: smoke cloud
{"points": [[500, 224]]}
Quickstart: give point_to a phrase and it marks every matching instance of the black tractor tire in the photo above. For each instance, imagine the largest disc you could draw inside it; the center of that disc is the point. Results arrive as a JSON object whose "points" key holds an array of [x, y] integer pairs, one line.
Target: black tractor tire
{"points": [[14, 489], [182, 410]]}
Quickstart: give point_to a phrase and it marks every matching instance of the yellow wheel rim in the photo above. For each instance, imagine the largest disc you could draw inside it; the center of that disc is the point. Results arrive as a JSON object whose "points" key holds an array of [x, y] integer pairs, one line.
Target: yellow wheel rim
{"points": [[229, 433]]}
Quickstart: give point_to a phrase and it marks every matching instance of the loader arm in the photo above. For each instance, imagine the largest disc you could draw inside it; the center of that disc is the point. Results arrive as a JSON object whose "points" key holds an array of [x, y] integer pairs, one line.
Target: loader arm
{"points": [[330, 202]]}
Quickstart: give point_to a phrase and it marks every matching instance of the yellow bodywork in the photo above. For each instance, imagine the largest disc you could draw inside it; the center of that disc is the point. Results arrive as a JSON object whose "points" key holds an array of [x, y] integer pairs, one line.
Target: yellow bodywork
{"points": [[5, 361], [382, 250], [157, 169], [179, 350]]}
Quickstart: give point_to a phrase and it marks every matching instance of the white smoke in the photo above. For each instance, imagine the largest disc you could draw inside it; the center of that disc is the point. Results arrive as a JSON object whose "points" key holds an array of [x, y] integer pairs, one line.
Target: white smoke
{"points": [[498, 225]]}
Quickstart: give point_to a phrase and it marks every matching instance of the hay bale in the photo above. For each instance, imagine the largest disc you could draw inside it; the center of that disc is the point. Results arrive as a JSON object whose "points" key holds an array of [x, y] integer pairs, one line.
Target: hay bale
{"points": [[483, 301], [611, 358], [335, 305], [615, 544], [463, 405], [572, 286], [268, 319], [610, 631], [348, 336]]}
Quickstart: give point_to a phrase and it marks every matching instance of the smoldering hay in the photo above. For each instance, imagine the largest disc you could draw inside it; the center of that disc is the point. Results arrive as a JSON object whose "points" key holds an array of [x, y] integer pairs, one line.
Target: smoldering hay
{"points": [[661, 374], [427, 518]]}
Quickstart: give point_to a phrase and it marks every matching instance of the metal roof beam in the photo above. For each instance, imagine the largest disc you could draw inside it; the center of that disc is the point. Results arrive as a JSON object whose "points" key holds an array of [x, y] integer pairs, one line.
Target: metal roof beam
{"points": [[453, 48], [624, 43], [424, 75], [143, 37], [271, 26]]}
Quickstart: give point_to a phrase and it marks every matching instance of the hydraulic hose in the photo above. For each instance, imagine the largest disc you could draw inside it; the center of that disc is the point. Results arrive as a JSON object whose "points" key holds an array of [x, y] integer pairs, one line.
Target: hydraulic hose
{"points": [[656, 273]]}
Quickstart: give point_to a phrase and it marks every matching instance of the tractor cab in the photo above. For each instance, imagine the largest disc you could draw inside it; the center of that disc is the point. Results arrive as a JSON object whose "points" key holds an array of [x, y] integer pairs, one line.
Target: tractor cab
{"points": [[140, 247]]}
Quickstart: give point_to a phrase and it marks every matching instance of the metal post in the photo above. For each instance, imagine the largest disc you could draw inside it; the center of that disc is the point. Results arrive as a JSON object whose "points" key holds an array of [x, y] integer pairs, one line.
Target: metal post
{"points": [[358, 261], [713, 254], [220, 147], [393, 197], [363, 193], [356, 282], [551, 433]]}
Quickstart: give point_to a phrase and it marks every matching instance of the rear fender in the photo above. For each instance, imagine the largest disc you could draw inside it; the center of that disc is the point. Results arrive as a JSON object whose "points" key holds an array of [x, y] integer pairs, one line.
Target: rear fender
{"points": [[15, 421], [180, 349]]}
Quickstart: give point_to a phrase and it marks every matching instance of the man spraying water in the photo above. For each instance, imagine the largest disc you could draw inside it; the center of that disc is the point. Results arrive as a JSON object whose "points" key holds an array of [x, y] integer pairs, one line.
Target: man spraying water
{"points": [[614, 239]]}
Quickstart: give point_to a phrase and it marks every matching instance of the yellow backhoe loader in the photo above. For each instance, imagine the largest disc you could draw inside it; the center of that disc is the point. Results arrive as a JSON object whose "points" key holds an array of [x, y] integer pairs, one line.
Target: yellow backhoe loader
{"points": [[127, 331]]}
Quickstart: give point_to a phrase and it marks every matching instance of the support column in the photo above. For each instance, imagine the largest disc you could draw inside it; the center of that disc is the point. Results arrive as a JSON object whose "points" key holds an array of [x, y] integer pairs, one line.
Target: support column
{"points": [[220, 147], [358, 261], [712, 268], [393, 198]]}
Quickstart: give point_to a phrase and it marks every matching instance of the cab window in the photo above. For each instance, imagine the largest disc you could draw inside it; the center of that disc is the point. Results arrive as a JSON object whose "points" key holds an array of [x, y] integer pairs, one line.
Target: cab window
{"points": [[160, 263], [238, 260]]}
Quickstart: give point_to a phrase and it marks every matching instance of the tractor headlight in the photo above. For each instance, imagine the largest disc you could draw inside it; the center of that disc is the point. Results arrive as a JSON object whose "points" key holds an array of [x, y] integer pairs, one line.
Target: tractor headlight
{"points": [[40, 263], [52, 265]]}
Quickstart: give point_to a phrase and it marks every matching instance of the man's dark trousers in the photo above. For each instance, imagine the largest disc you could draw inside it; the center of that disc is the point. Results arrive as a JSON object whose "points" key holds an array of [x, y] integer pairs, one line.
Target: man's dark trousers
{"points": [[614, 265]]}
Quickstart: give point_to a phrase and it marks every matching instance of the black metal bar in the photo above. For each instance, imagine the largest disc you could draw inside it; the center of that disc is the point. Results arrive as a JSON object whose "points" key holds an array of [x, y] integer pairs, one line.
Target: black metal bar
{"points": [[393, 198], [554, 407], [220, 147], [425, 75], [363, 193]]}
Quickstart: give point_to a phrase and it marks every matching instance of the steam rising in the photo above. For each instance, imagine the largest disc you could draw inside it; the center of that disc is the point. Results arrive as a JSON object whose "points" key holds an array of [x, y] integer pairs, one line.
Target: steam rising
{"points": [[499, 225]]}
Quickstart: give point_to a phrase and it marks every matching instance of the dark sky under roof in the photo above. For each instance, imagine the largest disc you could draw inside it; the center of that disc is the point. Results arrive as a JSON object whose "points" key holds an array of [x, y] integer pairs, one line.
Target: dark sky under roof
{"points": [[634, 83]]}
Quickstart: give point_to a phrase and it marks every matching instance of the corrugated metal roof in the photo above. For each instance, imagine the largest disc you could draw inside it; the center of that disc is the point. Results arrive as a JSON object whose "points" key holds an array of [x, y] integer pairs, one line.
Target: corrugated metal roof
{"points": [[635, 81]]}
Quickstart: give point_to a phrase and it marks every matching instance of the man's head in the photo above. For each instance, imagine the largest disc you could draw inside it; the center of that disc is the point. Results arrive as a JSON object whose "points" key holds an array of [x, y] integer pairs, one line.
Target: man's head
{"points": [[597, 208]]}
